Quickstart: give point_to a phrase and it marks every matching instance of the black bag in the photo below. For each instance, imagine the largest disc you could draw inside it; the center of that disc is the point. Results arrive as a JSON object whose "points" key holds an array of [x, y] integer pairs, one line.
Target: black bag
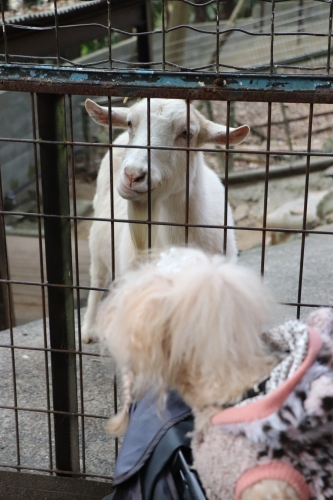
{"points": [[155, 457]]}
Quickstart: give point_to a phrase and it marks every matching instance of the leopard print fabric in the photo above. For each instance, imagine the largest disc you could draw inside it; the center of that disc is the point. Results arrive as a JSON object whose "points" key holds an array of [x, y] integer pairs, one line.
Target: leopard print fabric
{"points": [[300, 433]]}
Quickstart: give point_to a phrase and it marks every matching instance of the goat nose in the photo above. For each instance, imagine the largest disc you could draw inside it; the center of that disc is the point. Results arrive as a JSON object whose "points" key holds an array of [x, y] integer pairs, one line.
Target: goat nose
{"points": [[132, 178]]}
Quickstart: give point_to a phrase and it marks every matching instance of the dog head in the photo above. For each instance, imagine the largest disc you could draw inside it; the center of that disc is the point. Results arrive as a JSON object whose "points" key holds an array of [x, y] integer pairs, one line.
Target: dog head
{"points": [[191, 322]]}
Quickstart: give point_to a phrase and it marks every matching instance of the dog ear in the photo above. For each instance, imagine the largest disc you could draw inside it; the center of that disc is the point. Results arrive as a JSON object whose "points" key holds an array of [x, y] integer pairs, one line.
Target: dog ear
{"points": [[133, 326], [118, 424]]}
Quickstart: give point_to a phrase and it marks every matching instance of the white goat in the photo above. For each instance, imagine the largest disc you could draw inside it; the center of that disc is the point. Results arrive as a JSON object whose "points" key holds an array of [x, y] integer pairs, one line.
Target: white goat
{"points": [[168, 128]]}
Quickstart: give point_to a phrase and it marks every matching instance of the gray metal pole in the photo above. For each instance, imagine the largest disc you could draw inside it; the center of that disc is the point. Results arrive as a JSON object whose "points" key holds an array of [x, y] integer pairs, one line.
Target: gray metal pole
{"points": [[55, 191]]}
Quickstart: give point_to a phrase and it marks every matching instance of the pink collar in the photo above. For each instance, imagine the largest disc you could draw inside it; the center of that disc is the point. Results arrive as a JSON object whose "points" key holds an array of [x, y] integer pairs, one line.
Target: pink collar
{"points": [[273, 401]]}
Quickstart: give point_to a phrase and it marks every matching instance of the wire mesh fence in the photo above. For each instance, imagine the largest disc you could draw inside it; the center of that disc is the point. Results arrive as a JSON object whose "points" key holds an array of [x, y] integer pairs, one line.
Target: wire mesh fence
{"points": [[292, 36], [267, 65]]}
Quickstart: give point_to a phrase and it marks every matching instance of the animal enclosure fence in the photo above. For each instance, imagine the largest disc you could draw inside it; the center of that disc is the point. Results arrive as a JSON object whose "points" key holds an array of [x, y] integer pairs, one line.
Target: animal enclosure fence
{"points": [[275, 62]]}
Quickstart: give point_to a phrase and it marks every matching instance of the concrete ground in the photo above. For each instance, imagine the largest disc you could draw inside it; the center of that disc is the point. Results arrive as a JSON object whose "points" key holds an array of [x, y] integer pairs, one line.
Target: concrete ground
{"points": [[30, 367], [282, 271], [282, 267]]}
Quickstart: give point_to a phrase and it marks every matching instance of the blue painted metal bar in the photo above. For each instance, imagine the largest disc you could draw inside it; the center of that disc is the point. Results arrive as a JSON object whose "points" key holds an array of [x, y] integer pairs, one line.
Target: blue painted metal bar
{"points": [[148, 83]]}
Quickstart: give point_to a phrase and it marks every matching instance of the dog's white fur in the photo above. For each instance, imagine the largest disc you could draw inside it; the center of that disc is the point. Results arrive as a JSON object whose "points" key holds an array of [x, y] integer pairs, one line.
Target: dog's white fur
{"points": [[188, 328], [168, 167], [190, 323]]}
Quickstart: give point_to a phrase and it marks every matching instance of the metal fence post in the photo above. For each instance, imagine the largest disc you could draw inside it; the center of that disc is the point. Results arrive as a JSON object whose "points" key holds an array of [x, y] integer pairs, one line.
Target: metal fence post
{"points": [[144, 42], [6, 301], [55, 190]]}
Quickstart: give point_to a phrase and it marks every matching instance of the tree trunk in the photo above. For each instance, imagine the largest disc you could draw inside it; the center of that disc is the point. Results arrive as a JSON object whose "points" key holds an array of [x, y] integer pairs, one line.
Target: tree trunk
{"points": [[200, 12], [5, 4], [175, 39]]}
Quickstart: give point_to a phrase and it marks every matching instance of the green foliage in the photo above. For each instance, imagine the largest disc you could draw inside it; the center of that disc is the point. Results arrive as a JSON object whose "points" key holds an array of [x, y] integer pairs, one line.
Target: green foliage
{"points": [[98, 43], [29, 3], [31, 171], [156, 7], [14, 184], [211, 12], [93, 45], [245, 12]]}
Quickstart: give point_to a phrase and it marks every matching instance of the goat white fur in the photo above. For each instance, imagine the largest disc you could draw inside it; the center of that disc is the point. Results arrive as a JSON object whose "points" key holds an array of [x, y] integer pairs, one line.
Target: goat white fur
{"points": [[168, 128]]}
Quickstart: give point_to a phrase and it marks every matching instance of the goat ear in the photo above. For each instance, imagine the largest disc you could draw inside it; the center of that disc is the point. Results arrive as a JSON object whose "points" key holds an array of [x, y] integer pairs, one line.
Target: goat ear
{"points": [[217, 134], [101, 115]]}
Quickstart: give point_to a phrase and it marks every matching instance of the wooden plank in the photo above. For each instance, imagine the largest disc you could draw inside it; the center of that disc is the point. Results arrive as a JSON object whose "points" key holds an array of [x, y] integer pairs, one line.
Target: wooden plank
{"points": [[24, 265]]}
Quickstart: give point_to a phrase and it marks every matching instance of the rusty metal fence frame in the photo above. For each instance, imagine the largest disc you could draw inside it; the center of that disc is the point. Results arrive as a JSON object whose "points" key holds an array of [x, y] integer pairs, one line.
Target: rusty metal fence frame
{"points": [[51, 88]]}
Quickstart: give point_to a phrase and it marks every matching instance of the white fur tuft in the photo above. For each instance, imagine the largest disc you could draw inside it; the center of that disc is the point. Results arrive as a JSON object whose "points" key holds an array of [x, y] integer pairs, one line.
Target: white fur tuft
{"points": [[118, 424]]}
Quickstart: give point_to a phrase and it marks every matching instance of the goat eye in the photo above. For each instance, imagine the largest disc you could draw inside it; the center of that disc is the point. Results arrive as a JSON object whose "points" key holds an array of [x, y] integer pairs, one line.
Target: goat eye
{"points": [[183, 135], [129, 123]]}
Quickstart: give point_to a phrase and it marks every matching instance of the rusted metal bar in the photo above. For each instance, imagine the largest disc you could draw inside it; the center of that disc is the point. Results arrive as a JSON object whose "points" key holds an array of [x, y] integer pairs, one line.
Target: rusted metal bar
{"points": [[5, 296], [55, 190], [52, 471], [15, 486], [109, 33], [287, 170], [51, 412], [147, 83], [275, 152], [9, 316], [77, 281], [48, 349], [329, 44], [286, 126], [149, 174], [187, 175], [264, 218], [232, 124], [271, 64], [306, 195], [42, 289], [226, 179]]}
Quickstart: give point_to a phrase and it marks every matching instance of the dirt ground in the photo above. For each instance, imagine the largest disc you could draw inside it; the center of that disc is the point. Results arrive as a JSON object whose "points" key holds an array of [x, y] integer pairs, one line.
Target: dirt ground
{"points": [[289, 131], [247, 202]]}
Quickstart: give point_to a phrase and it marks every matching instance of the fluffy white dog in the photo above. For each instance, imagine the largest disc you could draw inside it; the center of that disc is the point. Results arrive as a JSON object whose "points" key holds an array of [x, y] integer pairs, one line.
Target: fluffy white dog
{"points": [[192, 322]]}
